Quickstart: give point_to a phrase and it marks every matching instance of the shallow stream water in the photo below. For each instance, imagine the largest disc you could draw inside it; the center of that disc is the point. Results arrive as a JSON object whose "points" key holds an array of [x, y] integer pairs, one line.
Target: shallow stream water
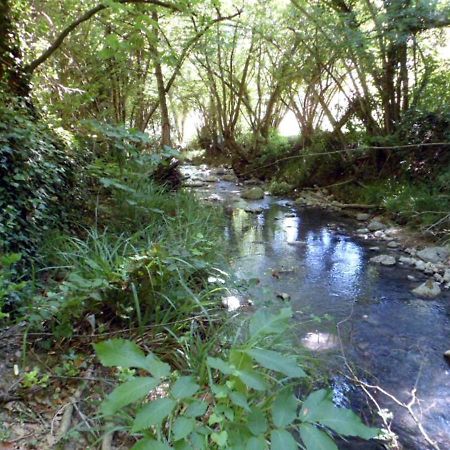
{"points": [[315, 257]]}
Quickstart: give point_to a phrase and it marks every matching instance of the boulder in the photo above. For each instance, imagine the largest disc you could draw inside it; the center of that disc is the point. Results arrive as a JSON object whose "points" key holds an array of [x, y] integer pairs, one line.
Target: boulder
{"points": [[254, 193], [447, 355], [420, 265], [362, 217], [429, 289], [362, 230], [229, 177], [374, 225], [384, 260], [434, 254], [407, 260], [446, 276], [393, 244]]}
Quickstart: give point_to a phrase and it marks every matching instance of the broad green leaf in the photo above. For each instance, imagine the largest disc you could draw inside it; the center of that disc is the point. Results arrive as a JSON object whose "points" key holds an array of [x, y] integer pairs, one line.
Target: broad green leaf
{"points": [[127, 393], [184, 387], [198, 441], [153, 413], [309, 407], [343, 421], [282, 440], [256, 443], [182, 427], [265, 323], [315, 439], [220, 438], [239, 399], [196, 409], [120, 352], [150, 444], [220, 364], [284, 408], [252, 379], [156, 367], [127, 354], [277, 362], [257, 422]]}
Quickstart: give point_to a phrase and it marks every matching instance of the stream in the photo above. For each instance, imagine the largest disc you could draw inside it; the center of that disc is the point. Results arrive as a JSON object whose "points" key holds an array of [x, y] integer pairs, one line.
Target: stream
{"points": [[315, 258]]}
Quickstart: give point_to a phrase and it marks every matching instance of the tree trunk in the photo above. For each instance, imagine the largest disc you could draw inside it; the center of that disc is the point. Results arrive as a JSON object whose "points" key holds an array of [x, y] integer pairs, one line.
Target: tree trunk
{"points": [[14, 78], [164, 110]]}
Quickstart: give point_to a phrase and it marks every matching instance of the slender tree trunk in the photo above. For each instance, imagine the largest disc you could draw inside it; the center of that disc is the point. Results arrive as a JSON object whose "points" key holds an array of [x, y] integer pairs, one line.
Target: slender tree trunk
{"points": [[164, 110]]}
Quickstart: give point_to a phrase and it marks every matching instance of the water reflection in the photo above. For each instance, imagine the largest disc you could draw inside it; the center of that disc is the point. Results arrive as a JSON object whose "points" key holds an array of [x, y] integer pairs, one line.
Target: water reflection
{"points": [[388, 333]]}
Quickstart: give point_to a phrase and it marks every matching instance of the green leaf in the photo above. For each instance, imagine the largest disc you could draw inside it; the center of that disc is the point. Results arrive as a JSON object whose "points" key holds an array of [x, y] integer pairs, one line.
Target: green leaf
{"points": [[184, 387], [311, 403], [256, 443], [196, 409], [343, 421], [252, 379], [150, 444], [127, 393], [120, 353], [257, 422], [156, 367], [127, 354], [282, 440], [182, 427], [239, 399], [265, 323], [277, 362], [220, 438], [220, 364], [153, 413], [284, 408], [315, 439]]}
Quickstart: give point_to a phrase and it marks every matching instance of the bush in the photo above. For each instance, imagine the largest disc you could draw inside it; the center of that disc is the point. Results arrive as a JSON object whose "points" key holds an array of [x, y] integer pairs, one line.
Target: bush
{"points": [[38, 181], [240, 397]]}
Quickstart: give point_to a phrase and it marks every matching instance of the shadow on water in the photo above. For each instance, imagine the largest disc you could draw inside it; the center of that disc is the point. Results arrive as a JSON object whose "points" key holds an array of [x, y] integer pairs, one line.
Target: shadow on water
{"points": [[312, 256]]}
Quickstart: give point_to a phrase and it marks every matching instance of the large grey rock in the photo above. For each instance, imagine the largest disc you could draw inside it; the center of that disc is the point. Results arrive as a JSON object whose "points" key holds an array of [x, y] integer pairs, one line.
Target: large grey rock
{"points": [[446, 276], [362, 230], [434, 254], [374, 225], [254, 193], [429, 289], [407, 260], [393, 244], [362, 217], [384, 260]]}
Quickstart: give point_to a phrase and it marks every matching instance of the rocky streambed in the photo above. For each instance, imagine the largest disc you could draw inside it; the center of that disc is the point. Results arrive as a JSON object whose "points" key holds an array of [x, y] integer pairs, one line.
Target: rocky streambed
{"points": [[363, 291]]}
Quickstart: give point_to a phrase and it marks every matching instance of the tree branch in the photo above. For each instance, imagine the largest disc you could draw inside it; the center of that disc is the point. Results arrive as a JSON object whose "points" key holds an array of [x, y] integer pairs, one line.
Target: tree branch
{"points": [[30, 68]]}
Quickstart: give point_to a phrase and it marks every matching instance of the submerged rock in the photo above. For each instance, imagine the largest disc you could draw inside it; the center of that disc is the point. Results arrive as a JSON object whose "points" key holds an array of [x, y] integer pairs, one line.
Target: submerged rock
{"points": [[434, 254], [384, 260], [393, 244], [429, 289], [374, 225], [283, 296], [362, 230], [254, 193]]}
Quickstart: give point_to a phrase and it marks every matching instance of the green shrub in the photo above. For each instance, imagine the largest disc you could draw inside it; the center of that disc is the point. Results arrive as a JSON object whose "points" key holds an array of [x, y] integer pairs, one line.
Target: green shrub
{"points": [[38, 181], [245, 399], [280, 188]]}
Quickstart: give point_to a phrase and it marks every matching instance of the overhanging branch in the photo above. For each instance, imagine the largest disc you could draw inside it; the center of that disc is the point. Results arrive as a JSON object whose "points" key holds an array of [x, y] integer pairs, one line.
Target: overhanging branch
{"points": [[30, 68]]}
